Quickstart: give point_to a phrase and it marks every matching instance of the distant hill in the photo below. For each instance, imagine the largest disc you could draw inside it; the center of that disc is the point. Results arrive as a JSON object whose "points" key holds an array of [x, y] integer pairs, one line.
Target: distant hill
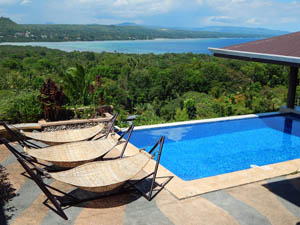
{"points": [[13, 32], [127, 24], [6, 24], [242, 30]]}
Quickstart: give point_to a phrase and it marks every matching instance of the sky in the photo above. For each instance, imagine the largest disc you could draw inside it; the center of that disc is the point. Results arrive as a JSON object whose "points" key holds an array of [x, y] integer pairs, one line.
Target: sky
{"points": [[273, 14]]}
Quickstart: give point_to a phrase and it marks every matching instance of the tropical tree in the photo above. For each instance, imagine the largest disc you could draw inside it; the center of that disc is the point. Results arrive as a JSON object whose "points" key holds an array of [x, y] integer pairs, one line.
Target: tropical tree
{"points": [[76, 85]]}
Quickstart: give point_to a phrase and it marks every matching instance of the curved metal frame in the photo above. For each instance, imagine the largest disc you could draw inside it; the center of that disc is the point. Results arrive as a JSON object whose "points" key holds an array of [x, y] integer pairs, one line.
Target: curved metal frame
{"points": [[35, 175]]}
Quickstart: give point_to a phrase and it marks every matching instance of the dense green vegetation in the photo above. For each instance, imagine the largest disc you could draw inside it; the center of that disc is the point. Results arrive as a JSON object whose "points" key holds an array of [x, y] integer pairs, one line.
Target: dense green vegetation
{"points": [[160, 88], [12, 32]]}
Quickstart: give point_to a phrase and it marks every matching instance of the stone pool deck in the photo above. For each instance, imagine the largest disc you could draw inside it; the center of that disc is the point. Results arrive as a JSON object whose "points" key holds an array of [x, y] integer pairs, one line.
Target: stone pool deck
{"points": [[272, 201]]}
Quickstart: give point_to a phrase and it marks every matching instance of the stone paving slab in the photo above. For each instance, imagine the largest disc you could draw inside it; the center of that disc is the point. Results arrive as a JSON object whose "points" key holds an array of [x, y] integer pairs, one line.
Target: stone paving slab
{"points": [[273, 201]]}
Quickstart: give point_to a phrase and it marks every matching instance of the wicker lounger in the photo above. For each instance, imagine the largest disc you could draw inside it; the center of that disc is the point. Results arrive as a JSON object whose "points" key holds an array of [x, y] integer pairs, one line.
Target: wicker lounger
{"points": [[74, 154], [57, 137], [64, 136], [99, 176]]}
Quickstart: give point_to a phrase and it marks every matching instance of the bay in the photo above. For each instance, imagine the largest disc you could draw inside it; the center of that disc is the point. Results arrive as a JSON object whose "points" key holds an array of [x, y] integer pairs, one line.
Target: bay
{"points": [[158, 46]]}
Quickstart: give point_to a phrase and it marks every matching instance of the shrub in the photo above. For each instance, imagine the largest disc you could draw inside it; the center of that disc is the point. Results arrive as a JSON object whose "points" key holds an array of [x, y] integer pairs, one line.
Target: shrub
{"points": [[24, 107], [168, 111], [147, 118], [189, 106], [181, 115]]}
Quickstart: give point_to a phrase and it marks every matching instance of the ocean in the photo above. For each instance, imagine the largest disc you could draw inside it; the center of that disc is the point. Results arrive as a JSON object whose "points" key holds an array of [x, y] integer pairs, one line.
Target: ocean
{"points": [[158, 46]]}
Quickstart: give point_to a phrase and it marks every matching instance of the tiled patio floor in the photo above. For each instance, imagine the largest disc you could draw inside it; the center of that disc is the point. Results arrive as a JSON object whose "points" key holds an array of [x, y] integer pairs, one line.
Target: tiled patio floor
{"points": [[275, 201]]}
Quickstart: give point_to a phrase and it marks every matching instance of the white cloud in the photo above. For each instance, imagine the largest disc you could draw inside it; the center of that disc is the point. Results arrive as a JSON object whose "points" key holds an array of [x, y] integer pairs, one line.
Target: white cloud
{"points": [[126, 8], [281, 14], [11, 2], [6, 2], [253, 21], [253, 12], [121, 2], [240, 6], [106, 12], [25, 2], [200, 2]]}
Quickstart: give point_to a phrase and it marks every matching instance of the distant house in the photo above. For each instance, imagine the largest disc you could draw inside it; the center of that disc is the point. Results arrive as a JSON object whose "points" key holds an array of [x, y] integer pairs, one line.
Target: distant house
{"points": [[27, 34], [132, 117]]}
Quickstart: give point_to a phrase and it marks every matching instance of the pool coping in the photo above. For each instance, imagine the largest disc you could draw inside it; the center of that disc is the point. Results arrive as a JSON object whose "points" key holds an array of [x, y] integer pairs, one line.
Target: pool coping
{"points": [[186, 189], [228, 118]]}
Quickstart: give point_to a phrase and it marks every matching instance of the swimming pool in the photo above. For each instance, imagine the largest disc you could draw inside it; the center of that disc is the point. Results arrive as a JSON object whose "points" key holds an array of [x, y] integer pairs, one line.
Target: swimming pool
{"points": [[208, 149]]}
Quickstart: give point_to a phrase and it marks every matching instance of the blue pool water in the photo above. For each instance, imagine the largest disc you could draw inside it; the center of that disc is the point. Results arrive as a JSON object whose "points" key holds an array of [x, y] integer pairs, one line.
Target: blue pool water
{"points": [[209, 149]]}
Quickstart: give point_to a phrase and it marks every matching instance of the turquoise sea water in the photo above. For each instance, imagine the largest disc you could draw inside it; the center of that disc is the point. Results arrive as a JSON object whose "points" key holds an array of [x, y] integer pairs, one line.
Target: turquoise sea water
{"points": [[209, 149], [158, 46]]}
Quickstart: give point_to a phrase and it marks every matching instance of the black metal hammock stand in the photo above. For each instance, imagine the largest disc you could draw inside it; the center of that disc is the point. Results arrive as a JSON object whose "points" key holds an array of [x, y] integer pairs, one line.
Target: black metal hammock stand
{"points": [[36, 174]]}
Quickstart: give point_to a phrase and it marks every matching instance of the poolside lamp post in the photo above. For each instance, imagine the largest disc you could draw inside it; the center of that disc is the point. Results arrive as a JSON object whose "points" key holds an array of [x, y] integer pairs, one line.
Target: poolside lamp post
{"points": [[278, 50]]}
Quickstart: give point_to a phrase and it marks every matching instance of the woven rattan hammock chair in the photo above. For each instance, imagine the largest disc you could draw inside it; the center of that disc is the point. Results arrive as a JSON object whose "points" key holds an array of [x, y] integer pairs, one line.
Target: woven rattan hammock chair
{"points": [[57, 137], [74, 154], [101, 176]]}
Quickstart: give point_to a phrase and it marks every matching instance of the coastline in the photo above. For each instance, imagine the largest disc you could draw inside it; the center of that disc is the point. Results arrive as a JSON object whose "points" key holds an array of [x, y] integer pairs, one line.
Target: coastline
{"points": [[155, 46], [131, 40]]}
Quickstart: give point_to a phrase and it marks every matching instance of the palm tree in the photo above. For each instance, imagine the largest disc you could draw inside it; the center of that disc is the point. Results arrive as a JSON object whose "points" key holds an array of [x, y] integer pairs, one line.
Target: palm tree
{"points": [[76, 85]]}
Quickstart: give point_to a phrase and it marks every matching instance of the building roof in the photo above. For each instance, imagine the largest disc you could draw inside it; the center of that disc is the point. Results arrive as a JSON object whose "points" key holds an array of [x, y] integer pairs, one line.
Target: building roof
{"points": [[284, 49]]}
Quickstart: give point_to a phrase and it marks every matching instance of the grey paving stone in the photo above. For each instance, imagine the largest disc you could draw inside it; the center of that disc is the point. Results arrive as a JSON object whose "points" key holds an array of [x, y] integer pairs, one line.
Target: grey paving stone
{"points": [[243, 213], [286, 193], [25, 196], [142, 212]]}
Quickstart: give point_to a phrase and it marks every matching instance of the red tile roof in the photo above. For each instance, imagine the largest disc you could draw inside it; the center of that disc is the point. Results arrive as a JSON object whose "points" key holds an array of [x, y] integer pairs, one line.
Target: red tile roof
{"points": [[283, 50], [285, 45]]}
